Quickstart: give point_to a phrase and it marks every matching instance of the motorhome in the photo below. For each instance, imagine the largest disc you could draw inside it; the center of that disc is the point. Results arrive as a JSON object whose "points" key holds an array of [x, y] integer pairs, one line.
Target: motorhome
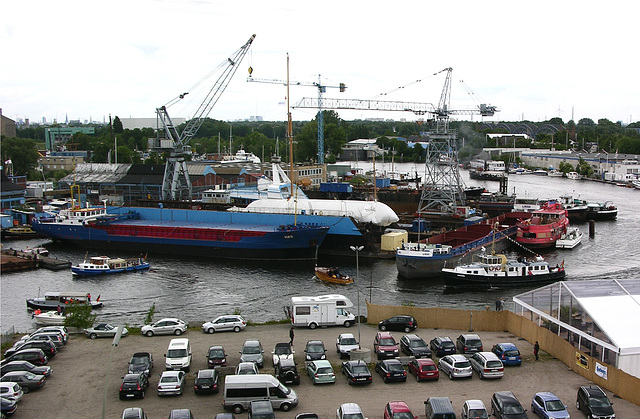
{"points": [[324, 310]]}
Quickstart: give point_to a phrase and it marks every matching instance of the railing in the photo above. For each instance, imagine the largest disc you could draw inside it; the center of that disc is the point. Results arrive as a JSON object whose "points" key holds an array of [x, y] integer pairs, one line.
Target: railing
{"points": [[8, 335]]}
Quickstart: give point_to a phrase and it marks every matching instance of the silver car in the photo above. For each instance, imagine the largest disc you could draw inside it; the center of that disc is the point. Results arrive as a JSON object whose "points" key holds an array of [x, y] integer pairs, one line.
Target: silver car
{"points": [[171, 383], [455, 366], [104, 330], [487, 365], [252, 352], [165, 327], [229, 322]]}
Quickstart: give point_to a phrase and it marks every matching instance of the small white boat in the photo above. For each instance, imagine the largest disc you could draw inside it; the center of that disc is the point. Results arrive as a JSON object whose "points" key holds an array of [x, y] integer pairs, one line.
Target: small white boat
{"points": [[574, 176], [570, 239], [540, 172], [556, 173], [52, 318]]}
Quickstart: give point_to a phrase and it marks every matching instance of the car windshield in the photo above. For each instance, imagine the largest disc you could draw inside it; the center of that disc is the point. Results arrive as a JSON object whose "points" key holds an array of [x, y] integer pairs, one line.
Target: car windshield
{"points": [[478, 414], [360, 369], [395, 367], [28, 365], [462, 364], [283, 350], [353, 416], [176, 353], [216, 353], [315, 348], [283, 389], [205, 380], [348, 341], [554, 406], [138, 361], [418, 343], [402, 415], [251, 350], [107, 327], [599, 402], [387, 342], [513, 409]]}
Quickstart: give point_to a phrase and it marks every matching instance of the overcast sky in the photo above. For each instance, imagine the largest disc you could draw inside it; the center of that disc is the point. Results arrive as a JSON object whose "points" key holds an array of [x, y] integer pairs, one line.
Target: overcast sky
{"points": [[88, 59]]}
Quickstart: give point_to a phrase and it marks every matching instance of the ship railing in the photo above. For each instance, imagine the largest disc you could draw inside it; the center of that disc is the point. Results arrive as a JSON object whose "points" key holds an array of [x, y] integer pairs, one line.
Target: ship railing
{"points": [[486, 240]]}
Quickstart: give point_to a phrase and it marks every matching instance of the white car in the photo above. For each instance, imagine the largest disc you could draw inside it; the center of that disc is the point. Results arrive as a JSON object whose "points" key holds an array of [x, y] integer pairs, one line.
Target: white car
{"points": [[345, 343], [230, 322], [349, 411], [281, 351], [10, 390], [247, 368], [165, 327], [171, 383]]}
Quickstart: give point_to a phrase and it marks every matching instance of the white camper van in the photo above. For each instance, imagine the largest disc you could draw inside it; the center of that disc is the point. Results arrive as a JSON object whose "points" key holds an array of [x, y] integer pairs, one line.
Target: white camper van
{"points": [[240, 390], [178, 356], [324, 310]]}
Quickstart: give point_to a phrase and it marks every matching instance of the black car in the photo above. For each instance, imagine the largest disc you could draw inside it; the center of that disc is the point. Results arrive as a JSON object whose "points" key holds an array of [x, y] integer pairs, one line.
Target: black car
{"points": [[27, 380], [47, 346], [593, 401], [181, 414], [357, 372], [25, 366], [133, 413], [391, 370], [286, 371], [315, 350], [400, 323], [133, 386], [141, 363], [469, 343], [216, 356], [206, 382], [413, 345], [35, 356], [8, 407], [442, 345], [505, 405]]}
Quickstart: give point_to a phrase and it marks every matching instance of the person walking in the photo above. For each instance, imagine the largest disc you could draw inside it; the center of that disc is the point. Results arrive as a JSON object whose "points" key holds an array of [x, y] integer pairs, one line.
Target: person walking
{"points": [[497, 305], [291, 336], [536, 349]]}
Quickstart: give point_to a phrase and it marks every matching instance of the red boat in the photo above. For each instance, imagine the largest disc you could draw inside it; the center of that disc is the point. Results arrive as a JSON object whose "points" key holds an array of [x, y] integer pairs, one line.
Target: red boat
{"points": [[545, 226]]}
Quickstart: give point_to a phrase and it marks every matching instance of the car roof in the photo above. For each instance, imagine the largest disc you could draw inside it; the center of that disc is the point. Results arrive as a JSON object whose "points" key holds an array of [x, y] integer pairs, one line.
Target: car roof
{"points": [[594, 390], [547, 395], [169, 318], [170, 373], [458, 357], [490, 356], [8, 384], [424, 361], [314, 341], [215, 347], [346, 335], [399, 406], [321, 363], [507, 345], [355, 362], [252, 342], [132, 376], [412, 336], [207, 373], [14, 373], [444, 338], [506, 396], [385, 334], [350, 408], [475, 404], [391, 361], [470, 335]]}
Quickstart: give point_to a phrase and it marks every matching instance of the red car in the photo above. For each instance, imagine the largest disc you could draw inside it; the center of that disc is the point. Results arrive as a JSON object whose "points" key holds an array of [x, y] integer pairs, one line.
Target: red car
{"points": [[424, 369], [398, 410]]}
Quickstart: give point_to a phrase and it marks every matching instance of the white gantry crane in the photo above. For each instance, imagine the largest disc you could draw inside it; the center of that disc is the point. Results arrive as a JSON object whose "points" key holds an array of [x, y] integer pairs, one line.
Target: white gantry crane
{"points": [[176, 184]]}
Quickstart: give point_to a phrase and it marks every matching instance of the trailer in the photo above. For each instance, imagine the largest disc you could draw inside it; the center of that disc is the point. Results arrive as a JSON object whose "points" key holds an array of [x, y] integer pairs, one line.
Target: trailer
{"points": [[323, 310]]}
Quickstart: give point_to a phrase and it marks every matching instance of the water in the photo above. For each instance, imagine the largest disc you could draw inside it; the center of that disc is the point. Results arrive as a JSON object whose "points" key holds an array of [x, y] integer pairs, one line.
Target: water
{"points": [[197, 289]]}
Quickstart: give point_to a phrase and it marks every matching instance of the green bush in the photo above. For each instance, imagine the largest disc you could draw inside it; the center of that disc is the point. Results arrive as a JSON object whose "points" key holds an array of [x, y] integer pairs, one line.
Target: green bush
{"points": [[79, 315]]}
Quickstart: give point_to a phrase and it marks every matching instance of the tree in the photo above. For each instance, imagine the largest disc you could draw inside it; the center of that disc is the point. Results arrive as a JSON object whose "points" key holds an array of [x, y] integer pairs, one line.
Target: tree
{"points": [[583, 168], [117, 126], [79, 315], [22, 152]]}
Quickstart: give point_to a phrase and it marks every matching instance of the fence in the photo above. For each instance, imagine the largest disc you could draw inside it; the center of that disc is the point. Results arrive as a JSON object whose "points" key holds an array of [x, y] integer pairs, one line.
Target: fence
{"points": [[619, 382], [8, 335]]}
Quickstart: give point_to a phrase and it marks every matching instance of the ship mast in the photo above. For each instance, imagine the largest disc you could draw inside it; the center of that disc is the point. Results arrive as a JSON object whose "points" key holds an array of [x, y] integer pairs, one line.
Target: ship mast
{"points": [[290, 136]]}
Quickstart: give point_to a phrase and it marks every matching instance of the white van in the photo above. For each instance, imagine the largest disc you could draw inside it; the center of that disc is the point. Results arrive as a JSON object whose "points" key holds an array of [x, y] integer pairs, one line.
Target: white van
{"points": [[323, 310], [240, 390], [178, 356]]}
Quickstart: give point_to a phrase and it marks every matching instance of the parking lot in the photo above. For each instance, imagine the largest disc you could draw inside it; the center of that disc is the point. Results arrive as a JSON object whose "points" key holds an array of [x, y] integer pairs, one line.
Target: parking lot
{"points": [[82, 372]]}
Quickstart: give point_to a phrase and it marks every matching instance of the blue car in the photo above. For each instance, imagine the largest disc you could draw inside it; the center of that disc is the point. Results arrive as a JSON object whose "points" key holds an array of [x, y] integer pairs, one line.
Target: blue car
{"points": [[508, 353], [549, 406]]}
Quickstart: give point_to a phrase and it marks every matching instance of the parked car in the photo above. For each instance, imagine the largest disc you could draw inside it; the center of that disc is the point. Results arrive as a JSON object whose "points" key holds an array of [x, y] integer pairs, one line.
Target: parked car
{"points": [[27, 380], [224, 323], [505, 405], [442, 345], [206, 381], [62, 330], [104, 330], [593, 401], [345, 343], [391, 370], [286, 372], [357, 372], [281, 351], [307, 416], [7, 406], [469, 343], [385, 346], [10, 390], [321, 372], [455, 366], [508, 353], [548, 406], [261, 409], [54, 337], [165, 327], [349, 411], [35, 356], [424, 369], [413, 345], [181, 414], [171, 382], [487, 365], [133, 413], [47, 346], [26, 366], [141, 363], [398, 410], [252, 352], [133, 386], [474, 409], [314, 350], [247, 368], [399, 323], [216, 356]]}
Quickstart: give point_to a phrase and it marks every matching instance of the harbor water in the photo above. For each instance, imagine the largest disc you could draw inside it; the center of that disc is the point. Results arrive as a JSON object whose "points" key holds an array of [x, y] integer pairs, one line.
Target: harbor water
{"points": [[199, 289]]}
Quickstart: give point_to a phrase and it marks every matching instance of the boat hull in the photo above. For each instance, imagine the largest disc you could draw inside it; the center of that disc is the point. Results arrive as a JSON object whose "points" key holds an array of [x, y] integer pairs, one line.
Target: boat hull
{"points": [[499, 280], [324, 274], [36, 304]]}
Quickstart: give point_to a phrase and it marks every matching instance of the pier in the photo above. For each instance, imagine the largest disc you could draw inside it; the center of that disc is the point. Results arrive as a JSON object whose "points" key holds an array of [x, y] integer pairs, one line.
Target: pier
{"points": [[16, 260]]}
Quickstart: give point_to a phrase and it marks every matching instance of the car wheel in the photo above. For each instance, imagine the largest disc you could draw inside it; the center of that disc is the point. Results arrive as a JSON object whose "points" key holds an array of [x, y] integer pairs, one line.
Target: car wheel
{"points": [[237, 409], [285, 407], [178, 332], [93, 336], [211, 330], [312, 326], [149, 333], [407, 329], [25, 389], [451, 374], [347, 324], [121, 397], [383, 327], [236, 329]]}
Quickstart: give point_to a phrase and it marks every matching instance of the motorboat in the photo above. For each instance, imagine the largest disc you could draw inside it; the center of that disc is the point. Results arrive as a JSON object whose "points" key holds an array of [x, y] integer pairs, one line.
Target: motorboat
{"points": [[332, 275], [556, 173], [601, 211], [102, 265], [570, 239], [49, 318], [574, 176], [53, 300]]}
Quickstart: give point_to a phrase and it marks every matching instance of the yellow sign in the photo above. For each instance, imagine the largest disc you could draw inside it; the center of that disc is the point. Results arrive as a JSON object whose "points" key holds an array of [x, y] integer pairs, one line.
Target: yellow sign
{"points": [[582, 360]]}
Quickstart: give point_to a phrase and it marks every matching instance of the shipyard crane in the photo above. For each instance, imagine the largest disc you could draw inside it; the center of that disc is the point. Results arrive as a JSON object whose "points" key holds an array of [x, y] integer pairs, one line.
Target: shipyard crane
{"points": [[176, 184], [443, 188], [322, 88]]}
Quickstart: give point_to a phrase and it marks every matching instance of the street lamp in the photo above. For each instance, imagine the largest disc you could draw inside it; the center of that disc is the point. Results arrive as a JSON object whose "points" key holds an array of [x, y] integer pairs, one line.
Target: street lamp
{"points": [[357, 249]]}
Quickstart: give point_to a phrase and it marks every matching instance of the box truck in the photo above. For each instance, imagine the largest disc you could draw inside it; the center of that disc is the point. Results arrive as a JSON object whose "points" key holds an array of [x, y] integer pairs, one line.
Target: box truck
{"points": [[324, 310]]}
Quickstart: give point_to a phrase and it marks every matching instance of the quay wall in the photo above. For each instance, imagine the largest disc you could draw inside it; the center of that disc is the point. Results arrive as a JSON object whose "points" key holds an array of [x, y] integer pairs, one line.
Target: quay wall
{"points": [[619, 382]]}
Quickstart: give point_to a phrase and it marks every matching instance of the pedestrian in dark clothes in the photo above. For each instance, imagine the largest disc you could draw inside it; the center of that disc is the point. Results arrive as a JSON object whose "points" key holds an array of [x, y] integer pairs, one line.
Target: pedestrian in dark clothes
{"points": [[497, 305], [291, 335], [536, 349]]}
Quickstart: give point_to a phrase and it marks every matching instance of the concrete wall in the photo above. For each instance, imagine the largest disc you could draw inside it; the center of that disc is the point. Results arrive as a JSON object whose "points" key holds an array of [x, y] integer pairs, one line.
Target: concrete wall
{"points": [[619, 382]]}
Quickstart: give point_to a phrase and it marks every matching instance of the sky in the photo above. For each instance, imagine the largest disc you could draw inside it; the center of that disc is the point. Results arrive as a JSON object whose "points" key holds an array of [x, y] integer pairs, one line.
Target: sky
{"points": [[86, 60]]}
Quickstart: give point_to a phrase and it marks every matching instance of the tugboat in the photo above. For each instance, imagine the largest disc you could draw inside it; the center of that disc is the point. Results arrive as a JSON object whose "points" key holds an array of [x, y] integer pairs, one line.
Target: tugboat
{"points": [[544, 228], [102, 265], [601, 212]]}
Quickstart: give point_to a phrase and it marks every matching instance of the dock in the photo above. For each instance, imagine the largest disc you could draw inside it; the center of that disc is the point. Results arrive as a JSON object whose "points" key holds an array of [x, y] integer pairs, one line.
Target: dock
{"points": [[16, 260]]}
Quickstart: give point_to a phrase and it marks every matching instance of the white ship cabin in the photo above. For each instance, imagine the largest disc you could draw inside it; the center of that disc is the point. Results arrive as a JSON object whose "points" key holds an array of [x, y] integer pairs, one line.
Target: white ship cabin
{"points": [[216, 196], [427, 249], [496, 166]]}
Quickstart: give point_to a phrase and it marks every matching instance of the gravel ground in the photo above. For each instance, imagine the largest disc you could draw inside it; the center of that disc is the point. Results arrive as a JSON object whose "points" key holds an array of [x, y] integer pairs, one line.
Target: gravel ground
{"points": [[81, 374]]}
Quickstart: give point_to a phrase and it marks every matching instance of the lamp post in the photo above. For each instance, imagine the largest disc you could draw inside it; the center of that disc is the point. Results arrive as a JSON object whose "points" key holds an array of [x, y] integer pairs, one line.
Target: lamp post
{"points": [[357, 249]]}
